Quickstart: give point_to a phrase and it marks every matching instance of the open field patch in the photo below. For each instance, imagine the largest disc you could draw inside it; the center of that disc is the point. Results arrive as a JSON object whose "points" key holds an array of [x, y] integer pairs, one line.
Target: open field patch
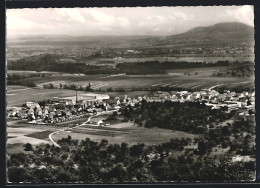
{"points": [[25, 139], [23, 135], [124, 132], [15, 148], [99, 132], [40, 135], [14, 87]]}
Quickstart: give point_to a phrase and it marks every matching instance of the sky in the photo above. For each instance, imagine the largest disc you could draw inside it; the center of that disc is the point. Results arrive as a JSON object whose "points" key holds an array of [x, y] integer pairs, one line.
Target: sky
{"points": [[121, 21]]}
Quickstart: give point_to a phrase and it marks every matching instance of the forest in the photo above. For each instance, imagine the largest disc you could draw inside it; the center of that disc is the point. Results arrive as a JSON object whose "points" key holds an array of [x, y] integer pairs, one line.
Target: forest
{"points": [[48, 62], [190, 117], [245, 69], [156, 67]]}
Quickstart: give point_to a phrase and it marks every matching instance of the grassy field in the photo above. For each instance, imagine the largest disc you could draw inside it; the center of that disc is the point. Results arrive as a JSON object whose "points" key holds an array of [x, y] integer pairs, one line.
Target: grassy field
{"points": [[127, 132], [18, 136], [15, 148], [42, 135], [18, 98]]}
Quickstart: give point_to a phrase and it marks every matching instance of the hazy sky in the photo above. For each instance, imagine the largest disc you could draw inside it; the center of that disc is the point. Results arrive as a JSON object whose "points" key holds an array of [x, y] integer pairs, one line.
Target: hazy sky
{"points": [[121, 21]]}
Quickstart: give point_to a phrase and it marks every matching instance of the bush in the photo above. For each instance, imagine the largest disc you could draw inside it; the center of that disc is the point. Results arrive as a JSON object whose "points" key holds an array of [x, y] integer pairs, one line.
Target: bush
{"points": [[27, 147]]}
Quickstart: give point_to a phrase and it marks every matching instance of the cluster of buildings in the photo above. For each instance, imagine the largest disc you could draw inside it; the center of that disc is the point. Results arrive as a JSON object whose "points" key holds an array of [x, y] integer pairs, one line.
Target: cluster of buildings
{"points": [[228, 99], [59, 109], [122, 53]]}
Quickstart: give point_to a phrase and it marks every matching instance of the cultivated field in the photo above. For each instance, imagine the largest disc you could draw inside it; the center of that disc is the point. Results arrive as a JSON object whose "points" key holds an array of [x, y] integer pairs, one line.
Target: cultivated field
{"points": [[123, 132], [189, 58], [196, 80], [139, 81]]}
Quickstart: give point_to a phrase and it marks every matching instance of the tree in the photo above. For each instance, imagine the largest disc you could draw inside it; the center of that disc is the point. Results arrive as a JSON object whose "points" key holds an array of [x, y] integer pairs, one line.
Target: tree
{"points": [[110, 89], [88, 88], [202, 147], [81, 88], [16, 175], [27, 147], [137, 150], [51, 86]]}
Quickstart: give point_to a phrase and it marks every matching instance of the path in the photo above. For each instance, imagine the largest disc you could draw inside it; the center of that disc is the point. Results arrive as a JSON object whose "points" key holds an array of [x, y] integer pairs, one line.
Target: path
{"points": [[230, 84], [17, 89], [55, 143], [215, 86]]}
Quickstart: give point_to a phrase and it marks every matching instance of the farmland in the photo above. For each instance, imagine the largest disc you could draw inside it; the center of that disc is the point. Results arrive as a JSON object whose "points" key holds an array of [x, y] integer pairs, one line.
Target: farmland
{"points": [[196, 80], [123, 132], [20, 135], [191, 58]]}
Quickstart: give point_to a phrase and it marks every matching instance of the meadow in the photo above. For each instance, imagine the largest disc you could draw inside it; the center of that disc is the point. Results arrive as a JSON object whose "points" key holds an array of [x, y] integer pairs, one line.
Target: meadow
{"points": [[127, 132], [20, 135]]}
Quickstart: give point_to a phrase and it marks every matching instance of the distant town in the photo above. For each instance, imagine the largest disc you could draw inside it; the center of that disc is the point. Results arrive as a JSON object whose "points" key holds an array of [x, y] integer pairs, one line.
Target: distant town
{"points": [[60, 109]]}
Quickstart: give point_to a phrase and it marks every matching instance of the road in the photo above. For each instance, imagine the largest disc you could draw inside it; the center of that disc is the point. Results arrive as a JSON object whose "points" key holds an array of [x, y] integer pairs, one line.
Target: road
{"points": [[215, 86], [58, 131], [226, 84]]}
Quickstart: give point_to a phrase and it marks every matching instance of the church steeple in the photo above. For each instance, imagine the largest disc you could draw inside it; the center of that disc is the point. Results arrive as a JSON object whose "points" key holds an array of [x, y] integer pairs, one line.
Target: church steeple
{"points": [[76, 96]]}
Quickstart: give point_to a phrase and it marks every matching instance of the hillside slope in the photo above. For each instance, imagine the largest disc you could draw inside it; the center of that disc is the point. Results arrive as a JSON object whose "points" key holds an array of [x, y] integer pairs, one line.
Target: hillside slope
{"points": [[228, 33]]}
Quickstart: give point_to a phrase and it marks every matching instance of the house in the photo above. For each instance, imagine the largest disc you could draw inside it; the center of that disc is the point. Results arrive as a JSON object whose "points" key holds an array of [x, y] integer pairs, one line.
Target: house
{"points": [[233, 93], [100, 123], [243, 102], [239, 158], [213, 93], [29, 104], [187, 97], [182, 92], [30, 111], [173, 92], [226, 91], [12, 113], [222, 97], [174, 98], [38, 112], [45, 111], [58, 112], [240, 95], [214, 100]]}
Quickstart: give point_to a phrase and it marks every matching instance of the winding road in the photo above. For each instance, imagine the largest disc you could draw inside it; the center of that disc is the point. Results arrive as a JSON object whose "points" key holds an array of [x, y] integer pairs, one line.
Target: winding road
{"points": [[56, 132]]}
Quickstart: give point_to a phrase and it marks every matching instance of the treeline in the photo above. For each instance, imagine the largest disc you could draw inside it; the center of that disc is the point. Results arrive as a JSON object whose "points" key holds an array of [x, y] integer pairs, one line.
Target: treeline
{"points": [[81, 88], [63, 67], [190, 117], [87, 161], [13, 77], [17, 79], [245, 69], [48, 62], [156, 67], [21, 82]]}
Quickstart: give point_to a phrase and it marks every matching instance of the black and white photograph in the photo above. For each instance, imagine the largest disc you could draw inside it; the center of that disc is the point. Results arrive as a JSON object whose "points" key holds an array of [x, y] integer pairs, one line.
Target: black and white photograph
{"points": [[130, 94]]}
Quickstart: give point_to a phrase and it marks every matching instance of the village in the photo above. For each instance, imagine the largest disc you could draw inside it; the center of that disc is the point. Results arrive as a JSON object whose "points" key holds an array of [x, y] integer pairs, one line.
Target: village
{"points": [[61, 109]]}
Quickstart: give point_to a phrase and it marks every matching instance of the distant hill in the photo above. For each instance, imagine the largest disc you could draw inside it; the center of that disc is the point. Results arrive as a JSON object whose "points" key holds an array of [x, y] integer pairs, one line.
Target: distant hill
{"points": [[229, 33]]}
